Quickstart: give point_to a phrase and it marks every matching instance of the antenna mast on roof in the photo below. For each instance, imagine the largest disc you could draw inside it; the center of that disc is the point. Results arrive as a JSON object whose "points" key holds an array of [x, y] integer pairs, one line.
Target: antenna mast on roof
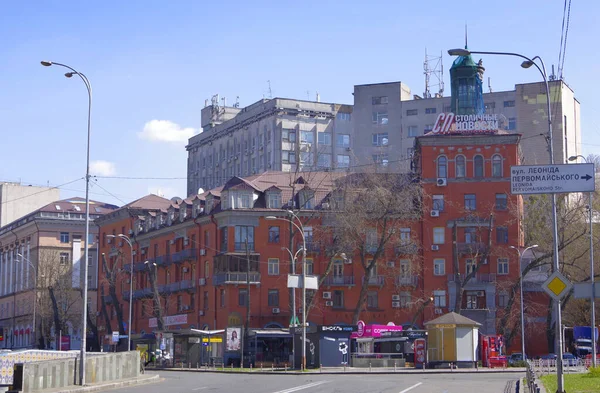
{"points": [[438, 73], [270, 91]]}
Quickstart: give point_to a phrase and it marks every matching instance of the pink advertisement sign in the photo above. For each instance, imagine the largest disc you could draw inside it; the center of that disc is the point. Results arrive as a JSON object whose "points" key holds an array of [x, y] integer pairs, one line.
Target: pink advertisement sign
{"points": [[374, 330]]}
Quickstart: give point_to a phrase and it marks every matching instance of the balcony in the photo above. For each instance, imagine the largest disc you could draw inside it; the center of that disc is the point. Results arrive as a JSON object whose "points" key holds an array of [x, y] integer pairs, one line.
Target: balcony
{"points": [[406, 249], [471, 248], [236, 278], [241, 246], [408, 280], [477, 278], [184, 255], [375, 280], [312, 247], [141, 293], [163, 260], [137, 267], [333, 281]]}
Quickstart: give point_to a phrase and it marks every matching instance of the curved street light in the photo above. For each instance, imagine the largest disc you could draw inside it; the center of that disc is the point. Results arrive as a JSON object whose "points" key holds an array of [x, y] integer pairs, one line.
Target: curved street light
{"points": [[522, 305], [128, 240], [527, 64], [88, 86], [34, 295]]}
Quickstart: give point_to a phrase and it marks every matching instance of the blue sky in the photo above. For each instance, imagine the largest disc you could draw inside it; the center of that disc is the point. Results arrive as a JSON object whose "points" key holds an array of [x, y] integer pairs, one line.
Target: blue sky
{"points": [[153, 63]]}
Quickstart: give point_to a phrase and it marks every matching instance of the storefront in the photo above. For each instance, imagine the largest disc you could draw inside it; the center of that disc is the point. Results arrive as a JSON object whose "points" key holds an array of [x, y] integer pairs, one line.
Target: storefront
{"points": [[326, 345]]}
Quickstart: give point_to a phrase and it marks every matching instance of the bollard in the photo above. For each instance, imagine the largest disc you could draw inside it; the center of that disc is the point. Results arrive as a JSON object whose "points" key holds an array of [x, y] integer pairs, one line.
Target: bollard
{"points": [[394, 366], [369, 366], [272, 367], [231, 366], [321, 368], [189, 365], [285, 367], [344, 367], [261, 365], [197, 365]]}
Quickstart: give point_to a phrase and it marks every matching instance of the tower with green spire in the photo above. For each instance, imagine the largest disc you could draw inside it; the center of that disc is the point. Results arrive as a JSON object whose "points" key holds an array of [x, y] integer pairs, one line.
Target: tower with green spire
{"points": [[466, 80]]}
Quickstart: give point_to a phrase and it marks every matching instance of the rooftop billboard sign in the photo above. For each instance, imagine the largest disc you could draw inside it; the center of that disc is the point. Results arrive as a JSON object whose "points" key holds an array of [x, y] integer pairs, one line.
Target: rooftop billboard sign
{"points": [[449, 123]]}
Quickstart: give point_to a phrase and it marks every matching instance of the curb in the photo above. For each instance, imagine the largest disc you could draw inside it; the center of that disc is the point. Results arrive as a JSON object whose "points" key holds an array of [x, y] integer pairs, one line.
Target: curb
{"points": [[350, 372], [112, 385]]}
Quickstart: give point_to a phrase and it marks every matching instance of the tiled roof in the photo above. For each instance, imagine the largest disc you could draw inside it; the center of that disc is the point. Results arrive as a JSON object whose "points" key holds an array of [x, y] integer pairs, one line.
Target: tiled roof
{"points": [[77, 205], [149, 202], [452, 318]]}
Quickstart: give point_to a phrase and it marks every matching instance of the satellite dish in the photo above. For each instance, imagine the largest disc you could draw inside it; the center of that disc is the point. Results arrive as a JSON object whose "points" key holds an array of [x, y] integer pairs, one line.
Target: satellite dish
{"points": [[391, 324], [201, 190]]}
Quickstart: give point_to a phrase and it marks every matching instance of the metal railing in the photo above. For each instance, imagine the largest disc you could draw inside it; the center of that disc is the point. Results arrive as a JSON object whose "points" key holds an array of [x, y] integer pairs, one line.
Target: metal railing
{"points": [[162, 260], [235, 278], [471, 248], [241, 246], [406, 249], [183, 255], [478, 277], [339, 280], [407, 280], [374, 280]]}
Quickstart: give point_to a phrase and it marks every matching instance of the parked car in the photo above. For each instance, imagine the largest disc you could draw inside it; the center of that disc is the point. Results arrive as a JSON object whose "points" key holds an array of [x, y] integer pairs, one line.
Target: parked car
{"points": [[515, 357], [548, 359], [569, 359]]}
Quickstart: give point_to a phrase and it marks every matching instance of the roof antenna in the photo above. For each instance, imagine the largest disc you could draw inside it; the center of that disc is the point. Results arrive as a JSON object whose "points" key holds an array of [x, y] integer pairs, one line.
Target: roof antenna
{"points": [[466, 39]]}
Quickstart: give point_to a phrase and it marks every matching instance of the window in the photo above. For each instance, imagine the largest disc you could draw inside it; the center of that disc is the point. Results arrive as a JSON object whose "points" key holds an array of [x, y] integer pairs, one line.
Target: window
{"points": [[478, 166], [307, 137], [459, 162], [430, 111], [472, 301], [412, 112], [380, 139], [405, 236], [343, 116], [244, 234], [288, 135], [372, 299], [224, 235], [489, 105], [405, 299], [64, 258], [379, 100], [274, 200], [405, 267], [502, 235], [470, 202], [338, 299], [307, 158], [273, 267], [497, 166], [381, 159], [469, 266], [222, 293], [509, 104], [470, 235], [64, 237], [439, 298], [245, 201], [273, 234], [205, 300], [438, 202], [324, 138], [413, 131], [324, 160], [342, 140], [502, 265], [447, 108], [512, 123], [92, 238], [380, 118], [502, 299], [442, 166], [439, 267], [439, 235], [343, 161], [501, 202], [310, 266], [288, 157], [90, 260], [273, 298], [242, 297]]}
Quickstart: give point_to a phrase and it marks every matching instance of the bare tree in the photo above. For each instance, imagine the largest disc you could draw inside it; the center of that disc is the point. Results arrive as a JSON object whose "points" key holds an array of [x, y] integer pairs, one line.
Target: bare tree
{"points": [[111, 277]]}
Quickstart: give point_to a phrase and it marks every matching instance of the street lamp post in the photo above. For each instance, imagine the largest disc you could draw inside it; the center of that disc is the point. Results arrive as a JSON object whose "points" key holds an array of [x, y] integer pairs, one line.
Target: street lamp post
{"points": [[34, 295], [301, 229], [294, 317], [128, 240], [521, 276], [526, 64], [87, 214], [593, 299]]}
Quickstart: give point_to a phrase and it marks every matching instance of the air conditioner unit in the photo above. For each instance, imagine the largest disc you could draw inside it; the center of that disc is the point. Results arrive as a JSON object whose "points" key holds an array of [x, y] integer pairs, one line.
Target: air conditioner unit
{"points": [[435, 213], [395, 297], [438, 310], [171, 242], [202, 281], [202, 251], [185, 269], [435, 247], [442, 182], [201, 313], [391, 264], [329, 303], [326, 295], [186, 241], [396, 304], [480, 293], [276, 310]]}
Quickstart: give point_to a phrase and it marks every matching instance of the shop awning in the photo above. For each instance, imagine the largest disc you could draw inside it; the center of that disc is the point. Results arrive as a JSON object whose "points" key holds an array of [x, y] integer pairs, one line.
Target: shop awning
{"points": [[207, 332], [271, 333]]}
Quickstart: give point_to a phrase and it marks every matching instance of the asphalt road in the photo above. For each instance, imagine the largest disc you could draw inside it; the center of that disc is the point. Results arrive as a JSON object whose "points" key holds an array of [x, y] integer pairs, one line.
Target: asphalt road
{"points": [[194, 382]]}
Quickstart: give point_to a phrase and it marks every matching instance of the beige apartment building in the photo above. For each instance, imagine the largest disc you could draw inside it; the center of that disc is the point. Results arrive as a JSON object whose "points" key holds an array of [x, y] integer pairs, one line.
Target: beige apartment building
{"points": [[42, 250], [17, 200]]}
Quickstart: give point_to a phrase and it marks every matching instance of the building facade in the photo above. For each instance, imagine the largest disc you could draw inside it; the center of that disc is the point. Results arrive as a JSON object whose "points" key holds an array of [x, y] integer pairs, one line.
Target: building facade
{"points": [[41, 256], [18, 200], [270, 135]]}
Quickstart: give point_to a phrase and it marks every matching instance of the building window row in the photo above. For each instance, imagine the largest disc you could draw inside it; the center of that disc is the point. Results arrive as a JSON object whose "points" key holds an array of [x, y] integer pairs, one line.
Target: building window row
{"points": [[460, 170]]}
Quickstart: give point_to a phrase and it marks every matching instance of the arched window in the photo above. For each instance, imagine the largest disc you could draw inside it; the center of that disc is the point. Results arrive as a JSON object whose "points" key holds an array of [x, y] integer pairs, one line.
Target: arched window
{"points": [[460, 166], [478, 166], [497, 165], [442, 166]]}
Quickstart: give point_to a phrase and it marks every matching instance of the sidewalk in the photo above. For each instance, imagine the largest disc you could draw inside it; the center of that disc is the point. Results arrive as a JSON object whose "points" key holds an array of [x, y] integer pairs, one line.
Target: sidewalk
{"points": [[344, 370], [141, 380]]}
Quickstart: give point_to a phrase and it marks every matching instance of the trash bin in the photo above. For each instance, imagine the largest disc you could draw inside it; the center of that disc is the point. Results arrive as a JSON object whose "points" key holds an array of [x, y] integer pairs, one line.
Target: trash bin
{"points": [[498, 361]]}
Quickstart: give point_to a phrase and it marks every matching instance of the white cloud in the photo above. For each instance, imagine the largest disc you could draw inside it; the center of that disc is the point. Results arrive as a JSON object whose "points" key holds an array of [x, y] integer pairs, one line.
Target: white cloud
{"points": [[102, 168], [166, 131]]}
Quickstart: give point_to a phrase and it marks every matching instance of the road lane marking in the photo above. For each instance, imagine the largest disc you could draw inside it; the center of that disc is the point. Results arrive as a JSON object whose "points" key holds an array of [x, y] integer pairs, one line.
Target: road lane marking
{"points": [[412, 387], [302, 387], [204, 387]]}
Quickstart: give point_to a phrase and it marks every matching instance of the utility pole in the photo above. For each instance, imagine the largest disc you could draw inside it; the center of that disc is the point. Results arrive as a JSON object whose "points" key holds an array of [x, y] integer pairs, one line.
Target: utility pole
{"points": [[244, 342]]}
